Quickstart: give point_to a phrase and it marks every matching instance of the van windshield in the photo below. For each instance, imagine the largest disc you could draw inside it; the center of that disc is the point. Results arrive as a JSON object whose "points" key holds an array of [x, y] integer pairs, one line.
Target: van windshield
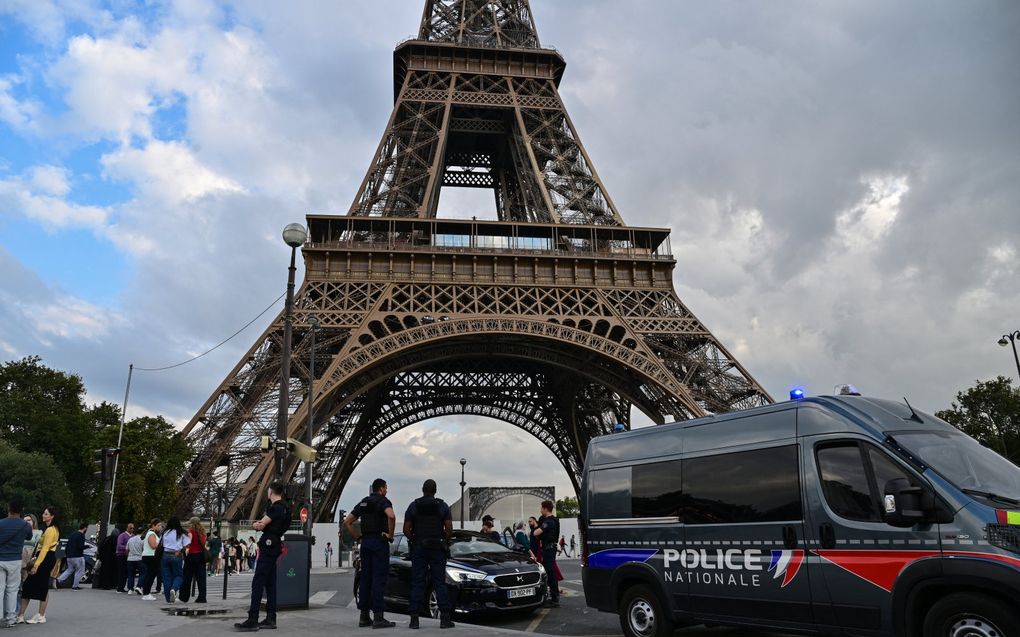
{"points": [[963, 461]]}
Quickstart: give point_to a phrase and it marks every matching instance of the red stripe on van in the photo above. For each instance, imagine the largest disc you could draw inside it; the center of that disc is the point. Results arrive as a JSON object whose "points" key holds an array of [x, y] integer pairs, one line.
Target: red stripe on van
{"points": [[881, 568]]}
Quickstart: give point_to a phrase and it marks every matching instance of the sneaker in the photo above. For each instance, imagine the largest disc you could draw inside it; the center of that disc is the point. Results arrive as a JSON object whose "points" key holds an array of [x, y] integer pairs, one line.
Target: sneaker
{"points": [[149, 598], [173, 596], [267, 624], [20, 619], [137, 590], [38, 619], [131, 592]]}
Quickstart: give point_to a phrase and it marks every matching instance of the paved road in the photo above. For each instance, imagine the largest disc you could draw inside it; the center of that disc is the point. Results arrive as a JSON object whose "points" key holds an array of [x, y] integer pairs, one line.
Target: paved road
{"points": [[571, 619]]}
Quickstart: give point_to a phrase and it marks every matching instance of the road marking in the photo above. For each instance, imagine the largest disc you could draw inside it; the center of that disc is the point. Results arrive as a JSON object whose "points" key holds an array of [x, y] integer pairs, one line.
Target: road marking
{"points": [[322, 597], [538, 620], [354, 603]]}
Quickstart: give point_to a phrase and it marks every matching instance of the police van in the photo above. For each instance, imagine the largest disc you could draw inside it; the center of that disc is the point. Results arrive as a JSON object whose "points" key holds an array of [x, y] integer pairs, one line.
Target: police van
{"points": [[838, 514]]}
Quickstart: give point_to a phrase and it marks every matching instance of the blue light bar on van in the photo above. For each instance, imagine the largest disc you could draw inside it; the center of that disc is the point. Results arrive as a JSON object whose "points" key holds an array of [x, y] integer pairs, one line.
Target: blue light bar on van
{"points": [[797, 393]]}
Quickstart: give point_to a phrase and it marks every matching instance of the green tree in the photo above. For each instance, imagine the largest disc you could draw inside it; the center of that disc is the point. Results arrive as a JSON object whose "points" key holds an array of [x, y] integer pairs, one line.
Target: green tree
{"points": [[43, 410], [152, 459], [567, 507], [990, 412], [32, 477]]}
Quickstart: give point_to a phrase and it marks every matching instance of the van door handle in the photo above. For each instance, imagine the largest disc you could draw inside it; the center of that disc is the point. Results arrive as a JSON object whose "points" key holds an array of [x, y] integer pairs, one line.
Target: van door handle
{"points": [[789, 537], [827, 536]]}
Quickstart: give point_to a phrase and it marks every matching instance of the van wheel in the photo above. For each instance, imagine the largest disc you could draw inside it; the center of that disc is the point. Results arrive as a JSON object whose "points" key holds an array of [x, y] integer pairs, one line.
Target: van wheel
{"points": [[643, 615], [971, 615]]}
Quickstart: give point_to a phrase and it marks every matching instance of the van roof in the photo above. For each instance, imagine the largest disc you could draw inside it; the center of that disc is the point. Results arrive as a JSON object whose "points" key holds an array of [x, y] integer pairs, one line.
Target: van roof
{"points": [[879, 415]]}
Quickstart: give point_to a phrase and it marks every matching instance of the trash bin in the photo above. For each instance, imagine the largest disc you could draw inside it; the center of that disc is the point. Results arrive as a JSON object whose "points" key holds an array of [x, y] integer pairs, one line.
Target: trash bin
{"points": [[293, 570]]}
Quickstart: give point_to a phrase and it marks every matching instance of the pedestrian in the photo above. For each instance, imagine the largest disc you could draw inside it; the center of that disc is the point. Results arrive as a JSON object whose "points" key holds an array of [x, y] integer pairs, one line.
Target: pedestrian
{"points": [[273, 525], [75, 554], [488, 528], [240, 555], [573, 546], [548, 532], [428, 526], [107, 551], [563, 547], [252, 553], [533, 540], [175, 541], [122, 555], [215, 547], [14, 532], [329, 552], [377, 524], [521, 538], [28, 548], [37, 586], [150, 542], [135, 565], [194, 562]]}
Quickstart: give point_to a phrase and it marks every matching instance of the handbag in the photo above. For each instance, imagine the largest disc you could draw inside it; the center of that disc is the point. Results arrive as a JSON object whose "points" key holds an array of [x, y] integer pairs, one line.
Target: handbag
{"points": [[158, 551]]}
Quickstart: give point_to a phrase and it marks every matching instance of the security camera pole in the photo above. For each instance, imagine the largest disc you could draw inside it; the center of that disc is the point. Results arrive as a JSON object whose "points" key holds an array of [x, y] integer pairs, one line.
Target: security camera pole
{"points": [[1013, 337]]}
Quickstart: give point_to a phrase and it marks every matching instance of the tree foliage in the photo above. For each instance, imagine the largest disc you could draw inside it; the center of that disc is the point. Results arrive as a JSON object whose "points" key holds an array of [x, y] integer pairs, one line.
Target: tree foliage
{"points": [[567, 507], [990, 412], [153, 455], [33, 478]]}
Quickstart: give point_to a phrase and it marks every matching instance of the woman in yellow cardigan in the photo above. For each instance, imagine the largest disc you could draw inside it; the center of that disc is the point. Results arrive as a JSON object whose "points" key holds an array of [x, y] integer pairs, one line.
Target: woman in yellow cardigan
{"points": [[37, 586]]}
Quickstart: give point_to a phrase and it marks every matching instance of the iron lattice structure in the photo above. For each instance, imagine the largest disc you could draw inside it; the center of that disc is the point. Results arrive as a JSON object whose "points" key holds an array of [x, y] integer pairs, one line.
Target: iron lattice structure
{"points": [[480, 499], [555, 317]]}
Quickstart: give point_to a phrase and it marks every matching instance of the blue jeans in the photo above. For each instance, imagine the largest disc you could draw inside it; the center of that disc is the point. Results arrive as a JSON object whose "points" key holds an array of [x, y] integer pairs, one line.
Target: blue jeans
{"points": [[375, 563], [264, 580], [430, 561], [173, 574], [136, 569]]}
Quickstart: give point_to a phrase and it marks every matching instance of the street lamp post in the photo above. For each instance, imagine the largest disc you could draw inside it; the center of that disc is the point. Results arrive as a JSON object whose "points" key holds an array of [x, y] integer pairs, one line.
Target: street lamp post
{"points": [[294, 235], [1012, 337], [463, 461], [313, 322]]}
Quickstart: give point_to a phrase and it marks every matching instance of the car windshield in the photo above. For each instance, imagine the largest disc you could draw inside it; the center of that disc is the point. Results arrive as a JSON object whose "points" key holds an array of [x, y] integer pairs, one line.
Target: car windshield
{"points": [[470, 545], [963, 461]]}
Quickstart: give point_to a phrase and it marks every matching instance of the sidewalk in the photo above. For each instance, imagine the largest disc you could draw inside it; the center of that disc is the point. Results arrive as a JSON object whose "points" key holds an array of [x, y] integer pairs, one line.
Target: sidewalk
{"points": [[97, 612]]}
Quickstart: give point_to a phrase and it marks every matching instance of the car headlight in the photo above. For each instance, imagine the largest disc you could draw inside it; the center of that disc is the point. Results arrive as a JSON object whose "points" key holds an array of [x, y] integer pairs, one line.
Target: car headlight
{"points": [[541, 569], [460, 574]]}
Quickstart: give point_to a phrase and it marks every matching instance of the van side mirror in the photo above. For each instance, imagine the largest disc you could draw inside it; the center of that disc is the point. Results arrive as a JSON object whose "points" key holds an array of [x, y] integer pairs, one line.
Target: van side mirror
{"points": [[905, 505]]}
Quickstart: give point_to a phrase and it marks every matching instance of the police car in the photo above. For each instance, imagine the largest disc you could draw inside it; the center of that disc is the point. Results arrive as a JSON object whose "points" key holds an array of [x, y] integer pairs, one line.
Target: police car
{"points": [[840, 514]]}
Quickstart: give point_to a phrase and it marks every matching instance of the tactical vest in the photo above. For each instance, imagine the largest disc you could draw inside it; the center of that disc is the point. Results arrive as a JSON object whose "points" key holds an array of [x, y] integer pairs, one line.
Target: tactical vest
{"points": [[428, 523], [373, 515], [279, 527]]}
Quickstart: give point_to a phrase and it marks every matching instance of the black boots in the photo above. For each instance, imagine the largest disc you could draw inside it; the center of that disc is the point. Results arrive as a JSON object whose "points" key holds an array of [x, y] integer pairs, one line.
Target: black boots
{"points": [[414, 622], [365, 620], [382, 622], [249, 625], [269, 623], [445, 620]]}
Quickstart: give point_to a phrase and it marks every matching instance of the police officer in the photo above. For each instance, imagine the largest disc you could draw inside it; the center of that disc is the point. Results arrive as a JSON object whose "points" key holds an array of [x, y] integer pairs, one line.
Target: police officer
{"points": [[377, 524], [273, 525], [548, 531], [428, 525]]}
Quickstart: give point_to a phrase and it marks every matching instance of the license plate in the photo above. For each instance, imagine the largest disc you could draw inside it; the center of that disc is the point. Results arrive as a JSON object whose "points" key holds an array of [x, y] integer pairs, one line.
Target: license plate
{"points": [[521, 592]]}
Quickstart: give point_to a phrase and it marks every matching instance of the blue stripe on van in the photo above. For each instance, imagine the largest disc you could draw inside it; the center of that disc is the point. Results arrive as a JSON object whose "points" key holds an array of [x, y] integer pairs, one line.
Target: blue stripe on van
{"points": [[611, 558]]}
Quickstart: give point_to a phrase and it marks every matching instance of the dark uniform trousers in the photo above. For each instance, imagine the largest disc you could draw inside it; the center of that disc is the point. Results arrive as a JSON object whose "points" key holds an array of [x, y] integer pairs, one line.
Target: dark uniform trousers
{"points": [[264, 580], [549, 564], [375, 564], [431, 561]]}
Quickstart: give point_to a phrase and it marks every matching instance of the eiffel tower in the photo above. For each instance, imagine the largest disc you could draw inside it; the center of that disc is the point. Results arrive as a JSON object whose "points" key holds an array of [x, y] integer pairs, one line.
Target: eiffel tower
{"points": [[555, 316]]}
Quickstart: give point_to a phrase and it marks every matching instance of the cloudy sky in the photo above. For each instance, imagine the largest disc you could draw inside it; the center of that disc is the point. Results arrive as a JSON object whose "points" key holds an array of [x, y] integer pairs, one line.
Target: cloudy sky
{"points": [[842, 181]]}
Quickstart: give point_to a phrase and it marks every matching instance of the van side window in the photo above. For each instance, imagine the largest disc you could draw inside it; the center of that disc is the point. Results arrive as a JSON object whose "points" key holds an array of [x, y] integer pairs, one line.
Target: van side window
{"points": [[609, 494], [656, 490], [853, 479], [762, 485]]}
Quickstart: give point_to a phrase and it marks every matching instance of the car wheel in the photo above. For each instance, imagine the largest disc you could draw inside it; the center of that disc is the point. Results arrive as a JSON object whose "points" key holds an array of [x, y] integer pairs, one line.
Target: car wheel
{"points": [[971, 615], [643, 615]]}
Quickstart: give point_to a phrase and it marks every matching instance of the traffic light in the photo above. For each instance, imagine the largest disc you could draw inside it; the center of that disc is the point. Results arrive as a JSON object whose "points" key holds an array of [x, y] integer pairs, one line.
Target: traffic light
{"points": [[100, 462], [104, 460]]}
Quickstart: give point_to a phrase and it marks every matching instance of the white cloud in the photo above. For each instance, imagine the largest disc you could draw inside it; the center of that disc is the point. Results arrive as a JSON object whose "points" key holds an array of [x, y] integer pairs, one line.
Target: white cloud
{"points": [[166, 170], [39, 195]]}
